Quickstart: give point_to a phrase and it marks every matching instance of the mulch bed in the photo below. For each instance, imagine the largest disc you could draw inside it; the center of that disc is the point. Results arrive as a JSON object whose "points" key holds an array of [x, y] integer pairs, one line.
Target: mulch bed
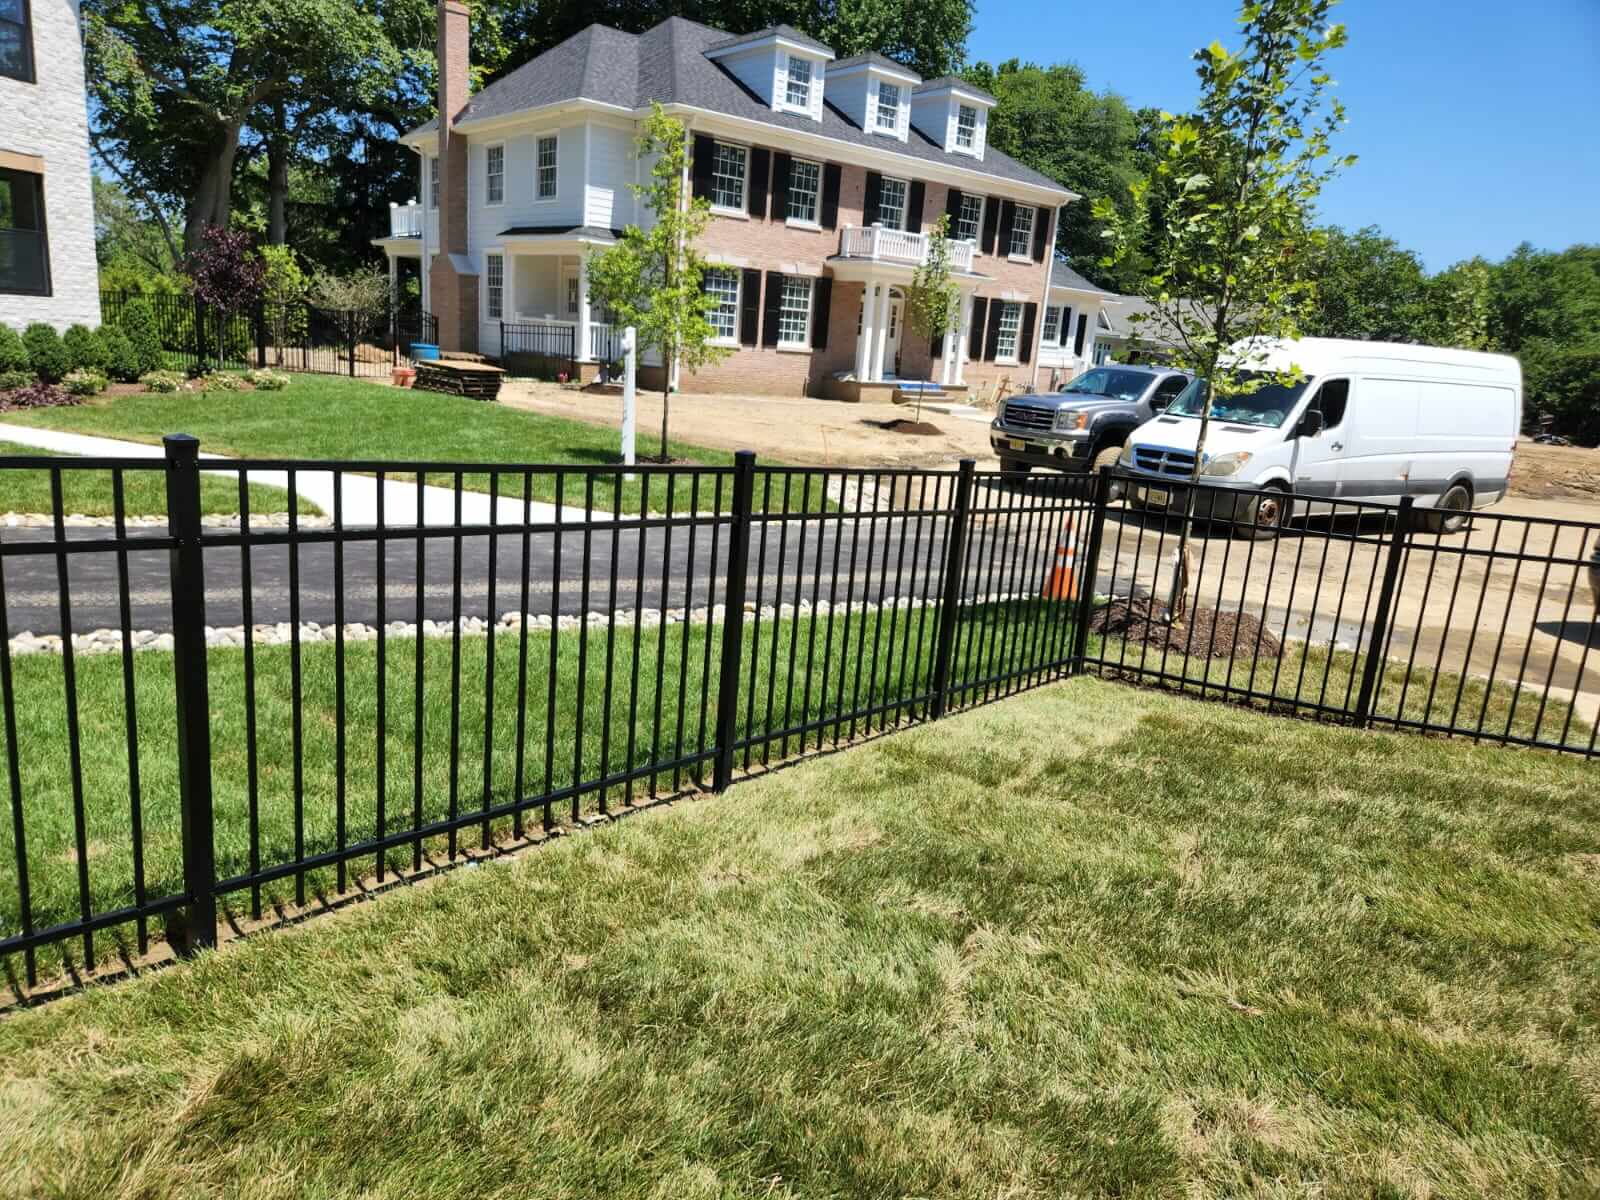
{"points": [[1205, 632]]}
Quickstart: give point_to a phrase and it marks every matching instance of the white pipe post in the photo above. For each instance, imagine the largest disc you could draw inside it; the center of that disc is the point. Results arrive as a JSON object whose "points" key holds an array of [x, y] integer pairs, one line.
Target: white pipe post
{"points": [[630, 365]]}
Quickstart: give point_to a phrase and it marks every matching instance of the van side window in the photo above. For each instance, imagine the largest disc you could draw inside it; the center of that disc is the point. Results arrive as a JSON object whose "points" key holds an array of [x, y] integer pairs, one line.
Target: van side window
{"points": [[1332, 399]]}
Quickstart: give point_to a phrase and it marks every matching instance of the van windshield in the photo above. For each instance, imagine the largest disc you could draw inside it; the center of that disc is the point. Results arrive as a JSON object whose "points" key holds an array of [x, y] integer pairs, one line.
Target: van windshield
{"points": [[1268, 406], [1107, 381]]}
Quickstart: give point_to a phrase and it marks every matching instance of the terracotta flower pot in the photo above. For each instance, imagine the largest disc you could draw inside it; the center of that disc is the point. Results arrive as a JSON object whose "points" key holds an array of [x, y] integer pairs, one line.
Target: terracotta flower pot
{"points": [[404, 376]]}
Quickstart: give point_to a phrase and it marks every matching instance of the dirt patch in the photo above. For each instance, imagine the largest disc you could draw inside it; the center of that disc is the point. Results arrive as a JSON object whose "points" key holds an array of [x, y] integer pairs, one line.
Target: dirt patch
{"points": [[1555, 472], [914, 428], [1205, 633]]}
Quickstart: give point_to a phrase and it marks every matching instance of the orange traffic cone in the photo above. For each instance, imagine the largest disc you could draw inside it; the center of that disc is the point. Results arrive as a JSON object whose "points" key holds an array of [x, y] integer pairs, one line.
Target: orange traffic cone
{"points": [[1063, 581]]}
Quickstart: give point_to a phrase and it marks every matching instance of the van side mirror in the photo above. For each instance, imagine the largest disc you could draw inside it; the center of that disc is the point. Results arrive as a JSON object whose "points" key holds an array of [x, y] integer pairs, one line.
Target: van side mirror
{"points": [[1310, 424]]}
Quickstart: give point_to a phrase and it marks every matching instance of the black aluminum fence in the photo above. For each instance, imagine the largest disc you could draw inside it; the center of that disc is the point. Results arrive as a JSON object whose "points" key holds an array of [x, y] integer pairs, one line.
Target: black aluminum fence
{"points": [[211, 721], [285, 336], [541, 347]]}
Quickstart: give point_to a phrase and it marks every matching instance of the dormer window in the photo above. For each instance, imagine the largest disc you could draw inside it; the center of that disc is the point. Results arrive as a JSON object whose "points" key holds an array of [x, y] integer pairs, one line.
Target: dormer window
{"points": [[966, 127], [888, 118], [798, 91]]}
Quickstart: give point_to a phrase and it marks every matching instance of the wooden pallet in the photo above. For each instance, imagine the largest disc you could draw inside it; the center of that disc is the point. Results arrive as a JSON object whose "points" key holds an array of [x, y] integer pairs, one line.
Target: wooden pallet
{"points": [[459, 378]]}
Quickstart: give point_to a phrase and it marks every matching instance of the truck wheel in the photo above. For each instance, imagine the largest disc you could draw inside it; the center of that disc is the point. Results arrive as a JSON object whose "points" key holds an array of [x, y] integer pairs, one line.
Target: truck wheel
{"points": [[1452, 512], [1265, 517], [1015, 464], [1107, 456]]}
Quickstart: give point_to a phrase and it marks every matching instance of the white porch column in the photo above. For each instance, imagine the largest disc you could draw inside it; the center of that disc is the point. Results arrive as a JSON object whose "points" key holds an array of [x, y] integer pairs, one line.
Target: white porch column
{"points": [[964, 340], [869, 304], [394, 281], [880, 335], [584, 353]]}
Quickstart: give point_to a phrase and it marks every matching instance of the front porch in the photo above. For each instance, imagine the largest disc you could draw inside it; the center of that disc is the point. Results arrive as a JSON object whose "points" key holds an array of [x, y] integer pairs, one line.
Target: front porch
{"points": [[543, 317], [886, 351]]}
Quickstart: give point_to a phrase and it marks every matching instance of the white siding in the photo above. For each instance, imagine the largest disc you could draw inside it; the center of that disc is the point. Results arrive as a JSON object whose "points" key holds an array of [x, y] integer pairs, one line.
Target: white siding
{"points": [[849, 95], [608, 203], [756, 69], [47, 120]]}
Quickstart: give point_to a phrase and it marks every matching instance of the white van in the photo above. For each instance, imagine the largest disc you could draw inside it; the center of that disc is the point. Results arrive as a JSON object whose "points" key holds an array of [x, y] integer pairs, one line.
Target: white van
{"points": [[1371, 421]]}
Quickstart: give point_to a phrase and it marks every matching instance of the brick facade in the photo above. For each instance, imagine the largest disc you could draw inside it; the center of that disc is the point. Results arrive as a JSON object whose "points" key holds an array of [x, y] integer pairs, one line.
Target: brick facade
{"points": [[453, 286]]}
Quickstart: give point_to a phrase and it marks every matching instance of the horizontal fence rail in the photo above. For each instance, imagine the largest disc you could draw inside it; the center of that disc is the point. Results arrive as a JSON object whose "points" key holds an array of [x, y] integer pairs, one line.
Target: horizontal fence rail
{"points": [[382, 668]]}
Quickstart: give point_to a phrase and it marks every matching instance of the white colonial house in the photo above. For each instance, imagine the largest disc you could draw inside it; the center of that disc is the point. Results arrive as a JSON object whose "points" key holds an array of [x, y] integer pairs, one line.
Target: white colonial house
{"points": [[47, 261]]}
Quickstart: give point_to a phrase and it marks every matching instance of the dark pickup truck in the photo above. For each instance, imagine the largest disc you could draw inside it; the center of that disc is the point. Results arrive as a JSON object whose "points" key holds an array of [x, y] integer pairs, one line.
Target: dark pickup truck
{"points": [[1083, 426]]}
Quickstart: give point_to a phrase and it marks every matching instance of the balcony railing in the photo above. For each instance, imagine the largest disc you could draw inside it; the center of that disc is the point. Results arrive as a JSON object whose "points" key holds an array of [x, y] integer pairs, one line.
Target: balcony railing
{"points": [[405, 220], [897, 246]]}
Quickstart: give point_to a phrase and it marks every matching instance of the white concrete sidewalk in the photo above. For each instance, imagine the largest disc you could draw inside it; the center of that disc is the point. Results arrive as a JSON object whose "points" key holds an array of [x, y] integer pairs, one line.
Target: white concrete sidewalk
{"points": [[360, 499]]}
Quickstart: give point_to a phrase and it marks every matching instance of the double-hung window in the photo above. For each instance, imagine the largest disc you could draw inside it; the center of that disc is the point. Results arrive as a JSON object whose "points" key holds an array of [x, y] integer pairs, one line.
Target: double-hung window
{"points": [[805, 185], [1009, 331], [888, 107], [433, 181], [794, 312], [545, 185], [969, 221], [494, 277], [797, 91], [728, 164], [966, 127], [892, 204], [722, 285], [494, 175], [24, 247], [1052, 327], [1022, 232], [16, 41]]}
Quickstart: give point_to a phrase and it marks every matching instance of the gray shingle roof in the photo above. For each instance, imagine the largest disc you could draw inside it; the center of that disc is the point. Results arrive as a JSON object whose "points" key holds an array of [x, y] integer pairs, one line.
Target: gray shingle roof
{"points": [[1063, 276], [872, 56], [783, 31], [668, 63], [577, 231], [944, 81]]}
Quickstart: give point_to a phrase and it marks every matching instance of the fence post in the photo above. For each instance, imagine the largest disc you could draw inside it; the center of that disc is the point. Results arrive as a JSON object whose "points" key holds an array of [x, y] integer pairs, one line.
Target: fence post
{"points": [[201, 353], [955, 551], [1383, 619], [350, 340], [744, 472], [193, 927], [259, 318], [1091, 566]]}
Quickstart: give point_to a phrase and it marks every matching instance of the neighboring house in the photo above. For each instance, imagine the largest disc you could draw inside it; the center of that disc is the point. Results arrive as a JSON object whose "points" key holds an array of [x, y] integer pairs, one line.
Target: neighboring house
{"points": [[1132, 331], [823, 174], [47, 263], [1073, 320]]}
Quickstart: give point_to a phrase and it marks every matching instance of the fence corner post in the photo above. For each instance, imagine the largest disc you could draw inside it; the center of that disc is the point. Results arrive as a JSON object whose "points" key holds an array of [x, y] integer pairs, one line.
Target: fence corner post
{"points": [[1091, 568], [1383, 618], [744, 472], [955, 553], [194, 927], [259, 319]]}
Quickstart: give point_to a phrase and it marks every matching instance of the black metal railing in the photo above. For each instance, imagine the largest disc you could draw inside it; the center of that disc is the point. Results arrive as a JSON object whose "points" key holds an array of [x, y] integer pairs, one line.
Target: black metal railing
{"points": [[207, 721], [541, 347]]}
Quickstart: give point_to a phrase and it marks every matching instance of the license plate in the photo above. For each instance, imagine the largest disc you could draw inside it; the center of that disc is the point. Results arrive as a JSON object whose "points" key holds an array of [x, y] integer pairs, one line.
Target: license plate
{"points": [[1016, 444], [1158, 497]]}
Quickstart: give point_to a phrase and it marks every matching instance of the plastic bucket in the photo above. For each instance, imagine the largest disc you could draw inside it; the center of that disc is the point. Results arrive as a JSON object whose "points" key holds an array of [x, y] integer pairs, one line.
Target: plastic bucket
{"points": [[424, 351]]}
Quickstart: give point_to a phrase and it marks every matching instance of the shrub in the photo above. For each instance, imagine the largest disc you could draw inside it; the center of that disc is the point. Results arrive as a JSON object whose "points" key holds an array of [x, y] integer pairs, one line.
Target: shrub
{"points": [[267, 381], [10, 380], [36, 395], [118, 351], [220, 381], [84, 382], [85, 351], [138, 323], [13, 354], [164, 381], [46, 354]]}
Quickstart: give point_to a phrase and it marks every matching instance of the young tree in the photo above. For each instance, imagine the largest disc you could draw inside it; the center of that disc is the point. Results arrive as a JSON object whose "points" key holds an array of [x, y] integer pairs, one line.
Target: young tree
{"points": [[933, 302], [652, 279], [227, 274], [1233, 259]]}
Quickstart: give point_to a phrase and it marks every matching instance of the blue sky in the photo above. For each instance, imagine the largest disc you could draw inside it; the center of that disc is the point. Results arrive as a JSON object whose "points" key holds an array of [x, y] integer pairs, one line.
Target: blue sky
{"points": [[1477, 123]]}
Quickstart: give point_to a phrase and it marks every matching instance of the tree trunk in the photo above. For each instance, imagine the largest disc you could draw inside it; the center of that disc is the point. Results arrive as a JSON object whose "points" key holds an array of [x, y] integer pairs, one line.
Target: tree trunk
{"points": [[212, 201], [278, 180], [666, 402]]}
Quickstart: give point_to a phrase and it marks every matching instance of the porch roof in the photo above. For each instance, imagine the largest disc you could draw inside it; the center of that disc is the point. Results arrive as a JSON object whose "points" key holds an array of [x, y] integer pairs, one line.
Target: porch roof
{"points": [[580, 232]]}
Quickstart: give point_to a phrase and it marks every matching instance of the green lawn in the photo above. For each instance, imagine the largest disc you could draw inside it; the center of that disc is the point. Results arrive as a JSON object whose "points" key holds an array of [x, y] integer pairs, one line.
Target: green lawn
{"points": [[1095, 941], [88, 493], [325, 417]]}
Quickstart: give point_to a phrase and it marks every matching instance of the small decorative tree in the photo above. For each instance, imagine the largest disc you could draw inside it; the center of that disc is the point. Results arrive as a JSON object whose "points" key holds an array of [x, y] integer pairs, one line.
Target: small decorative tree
{"points": [[1228, 258], [653, 279], [227, 276], [933, 302]]}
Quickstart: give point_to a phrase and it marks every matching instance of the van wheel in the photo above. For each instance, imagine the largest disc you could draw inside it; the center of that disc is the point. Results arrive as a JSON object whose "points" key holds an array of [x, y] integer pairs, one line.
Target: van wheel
{"points": [[1265, 517], [1452, 512]]}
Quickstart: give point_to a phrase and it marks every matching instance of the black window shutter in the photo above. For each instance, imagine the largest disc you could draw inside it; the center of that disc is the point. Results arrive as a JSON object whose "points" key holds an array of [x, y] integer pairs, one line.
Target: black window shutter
{"points": [[780, 187], [700, 172], [1041, 232], [821, 310], [830, 195], [991, 225], [1008, 218], [952, 208], [991, 341], [749, 307], [980, 309], [1083, 330], [914, 199], [873, 199], [755, 192], [1030, 316], [769, 319]]}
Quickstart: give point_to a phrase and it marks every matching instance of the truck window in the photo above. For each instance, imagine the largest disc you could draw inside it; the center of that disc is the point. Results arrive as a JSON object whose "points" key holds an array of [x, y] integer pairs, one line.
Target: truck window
{"points": [[1332, 399], [1167, 391]]}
